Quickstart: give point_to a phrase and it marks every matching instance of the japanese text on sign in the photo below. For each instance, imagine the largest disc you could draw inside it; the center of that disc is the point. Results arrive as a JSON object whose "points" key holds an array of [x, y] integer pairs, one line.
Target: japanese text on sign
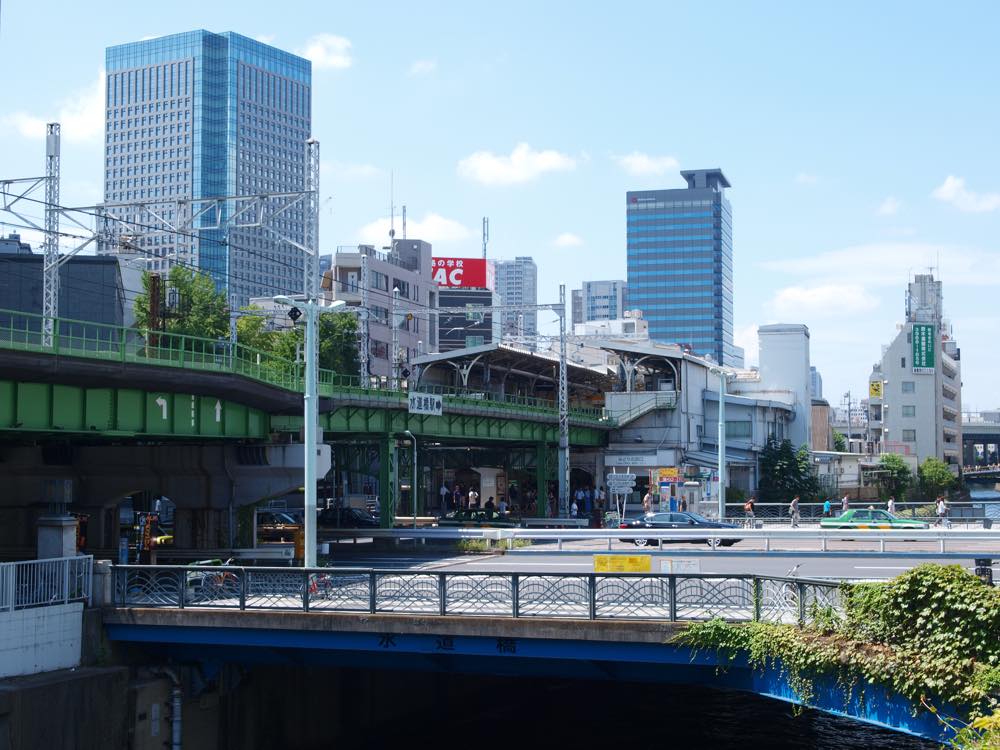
{"points": [[425, 403]]}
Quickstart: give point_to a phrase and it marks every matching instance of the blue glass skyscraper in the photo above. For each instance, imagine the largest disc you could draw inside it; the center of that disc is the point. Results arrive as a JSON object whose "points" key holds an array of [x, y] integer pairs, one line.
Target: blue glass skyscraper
{"points": [[198, 115], [680, 264]]}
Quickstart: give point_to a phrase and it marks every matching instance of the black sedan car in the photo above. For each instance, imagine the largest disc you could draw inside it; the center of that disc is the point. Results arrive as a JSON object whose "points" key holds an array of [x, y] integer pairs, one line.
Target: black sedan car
{"points": [[347, 518], [676, 520]]}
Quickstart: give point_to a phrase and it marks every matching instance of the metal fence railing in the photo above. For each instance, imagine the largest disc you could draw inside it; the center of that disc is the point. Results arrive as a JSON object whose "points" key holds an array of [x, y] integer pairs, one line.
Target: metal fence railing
{"points": [[22, 331], [40, 583], [592, 596]]}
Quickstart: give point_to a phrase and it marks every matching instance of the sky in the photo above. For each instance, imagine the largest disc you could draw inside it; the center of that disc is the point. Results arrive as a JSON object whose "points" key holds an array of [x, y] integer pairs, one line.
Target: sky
{"points": [[860, 140]]}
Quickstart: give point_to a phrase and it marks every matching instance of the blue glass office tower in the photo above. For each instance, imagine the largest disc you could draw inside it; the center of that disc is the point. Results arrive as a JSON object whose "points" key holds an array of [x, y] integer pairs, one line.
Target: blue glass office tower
{"points": [[198, 115], [680, 264]]}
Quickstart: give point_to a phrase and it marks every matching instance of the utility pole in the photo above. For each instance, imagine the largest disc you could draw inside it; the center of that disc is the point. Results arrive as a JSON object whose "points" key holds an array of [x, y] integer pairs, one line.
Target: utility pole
{"points": [[50, 265], [563, 409], [722, 444], [310, 285], [363, 340], [394, 352]]}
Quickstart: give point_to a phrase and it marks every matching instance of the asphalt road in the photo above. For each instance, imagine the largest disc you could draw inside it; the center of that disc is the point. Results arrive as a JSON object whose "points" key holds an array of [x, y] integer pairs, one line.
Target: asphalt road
{"points": [[846, 564]]}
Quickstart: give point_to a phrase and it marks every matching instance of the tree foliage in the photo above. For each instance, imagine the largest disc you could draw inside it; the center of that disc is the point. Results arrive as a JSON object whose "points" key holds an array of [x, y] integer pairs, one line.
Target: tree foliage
{"points": [[934, 477], [839, 442], [785, 472], [200, 310], [338, 343], [895, 477]]}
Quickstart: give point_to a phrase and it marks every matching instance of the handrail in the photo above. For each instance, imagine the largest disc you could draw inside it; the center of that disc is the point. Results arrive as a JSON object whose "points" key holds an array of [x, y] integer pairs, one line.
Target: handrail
{"points": [[587, 596], [23, 331], [47, 582]]}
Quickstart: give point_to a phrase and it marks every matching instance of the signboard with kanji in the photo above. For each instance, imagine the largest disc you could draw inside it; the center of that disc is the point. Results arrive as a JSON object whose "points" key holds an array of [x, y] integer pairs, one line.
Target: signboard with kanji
{"points": [[471, 273], [425, 403], [623, 563], [924, 343]]}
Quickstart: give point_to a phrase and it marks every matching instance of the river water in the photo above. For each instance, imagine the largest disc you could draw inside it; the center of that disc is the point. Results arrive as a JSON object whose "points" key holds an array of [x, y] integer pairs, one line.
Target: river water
{"points": [[566, 715]]}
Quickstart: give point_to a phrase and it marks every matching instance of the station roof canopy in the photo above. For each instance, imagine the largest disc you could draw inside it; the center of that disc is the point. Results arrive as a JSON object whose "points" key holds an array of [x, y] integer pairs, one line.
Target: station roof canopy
{"points": [[520, 360]]}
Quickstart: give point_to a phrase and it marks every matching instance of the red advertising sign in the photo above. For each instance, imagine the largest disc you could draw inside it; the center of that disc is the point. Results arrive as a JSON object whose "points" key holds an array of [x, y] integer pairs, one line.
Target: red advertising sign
{"points": [[461, 272]]}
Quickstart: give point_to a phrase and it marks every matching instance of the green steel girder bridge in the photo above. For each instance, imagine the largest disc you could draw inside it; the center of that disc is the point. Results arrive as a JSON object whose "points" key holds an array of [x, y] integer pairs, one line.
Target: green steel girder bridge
{"points": [[171, 410]]}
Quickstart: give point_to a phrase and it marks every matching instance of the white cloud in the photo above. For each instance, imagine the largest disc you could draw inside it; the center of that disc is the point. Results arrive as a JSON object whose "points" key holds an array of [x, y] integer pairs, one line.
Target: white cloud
{"points": [[567, 239], [804, 178], [639, 164], [265, 38], [840, 300], [888, 264], [523, 165], [81, 115], [953, 191], [432, 228], [328, 52], [889, 206], [422, 68]]}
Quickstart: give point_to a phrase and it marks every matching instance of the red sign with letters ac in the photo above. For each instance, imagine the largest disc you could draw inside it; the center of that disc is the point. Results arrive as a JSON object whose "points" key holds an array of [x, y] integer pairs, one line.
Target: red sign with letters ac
{"points": [[460, 272]]}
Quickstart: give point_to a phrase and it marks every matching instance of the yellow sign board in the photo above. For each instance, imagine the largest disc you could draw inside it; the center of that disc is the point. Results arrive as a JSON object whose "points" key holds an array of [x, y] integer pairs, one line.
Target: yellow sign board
{"points": [[875, 389], [623, 563]]}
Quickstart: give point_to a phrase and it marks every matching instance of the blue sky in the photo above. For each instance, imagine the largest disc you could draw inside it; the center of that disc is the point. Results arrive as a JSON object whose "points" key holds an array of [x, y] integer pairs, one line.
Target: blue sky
{"points": [[860, 139]]}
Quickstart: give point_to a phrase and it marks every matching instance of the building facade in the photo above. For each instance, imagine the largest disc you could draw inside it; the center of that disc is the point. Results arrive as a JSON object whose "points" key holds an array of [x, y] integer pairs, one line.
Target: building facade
{"points": [[815, 383], [576, 305], [602, 300], [680, 264], [915, 391], [474, 328], [517, 284], [408, 268], [199, 115]]}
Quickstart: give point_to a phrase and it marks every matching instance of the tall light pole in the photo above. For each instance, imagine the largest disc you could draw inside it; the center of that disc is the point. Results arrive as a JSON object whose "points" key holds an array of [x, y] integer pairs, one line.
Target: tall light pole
{"points": [[310, 309], [721, 439], [413, 486]]}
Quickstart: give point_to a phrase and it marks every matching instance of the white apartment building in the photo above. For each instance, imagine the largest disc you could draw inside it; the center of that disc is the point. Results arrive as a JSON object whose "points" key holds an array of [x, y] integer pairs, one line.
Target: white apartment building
{"points": [[915, 391]]}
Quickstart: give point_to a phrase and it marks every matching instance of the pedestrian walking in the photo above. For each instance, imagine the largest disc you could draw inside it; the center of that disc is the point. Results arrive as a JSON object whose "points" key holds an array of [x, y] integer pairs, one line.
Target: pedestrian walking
{"points": [[473, 498], [647, 503], [827, 508], [844, 505], [445, 494], [748, 509], [793, 511], [573, 509], [891, 505], [942, 511]]}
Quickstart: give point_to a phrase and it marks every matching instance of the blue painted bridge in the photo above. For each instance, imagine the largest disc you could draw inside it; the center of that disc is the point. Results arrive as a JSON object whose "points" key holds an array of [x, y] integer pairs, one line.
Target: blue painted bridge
{"points": [[610, 627]]}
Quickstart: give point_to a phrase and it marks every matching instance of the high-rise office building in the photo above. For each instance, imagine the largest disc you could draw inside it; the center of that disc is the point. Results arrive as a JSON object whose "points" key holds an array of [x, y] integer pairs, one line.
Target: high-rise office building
{"points": [[517, 284], [603, 300], [815, 383], [199, 115], [576, 305], [680, 264]]}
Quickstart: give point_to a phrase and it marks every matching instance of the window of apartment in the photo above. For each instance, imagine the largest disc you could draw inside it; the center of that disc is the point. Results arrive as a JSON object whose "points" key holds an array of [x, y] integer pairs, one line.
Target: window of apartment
{"points": [[474, 341], [902, 362], [909, 386], [909, 436], [909, 411], [740, 429]]}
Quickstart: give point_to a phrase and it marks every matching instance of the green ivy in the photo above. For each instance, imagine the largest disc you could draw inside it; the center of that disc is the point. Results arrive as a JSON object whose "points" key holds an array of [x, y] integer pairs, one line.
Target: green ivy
{"points": [[931, 635]]}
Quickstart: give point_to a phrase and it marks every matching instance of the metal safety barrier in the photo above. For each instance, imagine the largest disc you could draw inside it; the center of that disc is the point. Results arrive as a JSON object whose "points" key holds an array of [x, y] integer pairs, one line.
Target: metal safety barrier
{"points": [[591, 596], [41, 583]]}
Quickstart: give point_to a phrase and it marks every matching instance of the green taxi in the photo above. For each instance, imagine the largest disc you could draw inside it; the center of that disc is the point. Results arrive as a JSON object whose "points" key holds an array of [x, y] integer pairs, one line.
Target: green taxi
{"points": [[871, 519]]}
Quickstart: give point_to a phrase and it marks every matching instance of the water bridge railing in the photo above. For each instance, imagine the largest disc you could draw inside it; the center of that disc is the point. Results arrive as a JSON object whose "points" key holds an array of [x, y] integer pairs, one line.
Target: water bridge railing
{"points": [[22, 331], [591, 596]]}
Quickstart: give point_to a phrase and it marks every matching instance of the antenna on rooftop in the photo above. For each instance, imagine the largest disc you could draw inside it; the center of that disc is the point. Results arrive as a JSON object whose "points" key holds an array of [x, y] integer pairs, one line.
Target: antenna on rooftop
{"points": [[392, 211], [486, 234], [404, 221]]}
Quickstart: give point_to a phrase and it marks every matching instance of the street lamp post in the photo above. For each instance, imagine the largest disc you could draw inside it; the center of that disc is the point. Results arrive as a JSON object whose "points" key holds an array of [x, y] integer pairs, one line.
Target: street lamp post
{"points": [[310, 419], [721, 442]]}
